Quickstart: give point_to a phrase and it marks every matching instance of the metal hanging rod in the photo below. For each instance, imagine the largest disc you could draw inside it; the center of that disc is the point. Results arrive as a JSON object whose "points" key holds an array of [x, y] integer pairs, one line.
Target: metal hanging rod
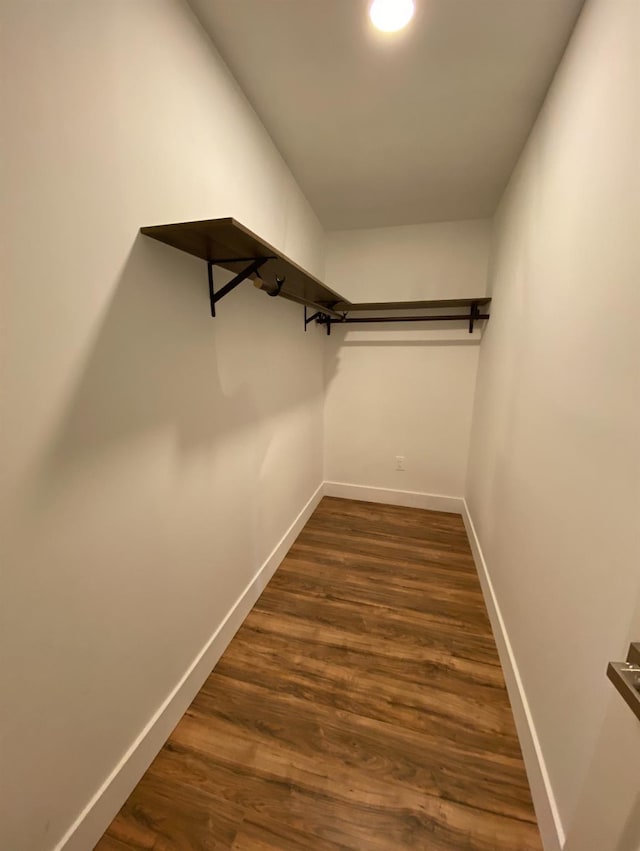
{"points": [[449, 317], [472, 317]]}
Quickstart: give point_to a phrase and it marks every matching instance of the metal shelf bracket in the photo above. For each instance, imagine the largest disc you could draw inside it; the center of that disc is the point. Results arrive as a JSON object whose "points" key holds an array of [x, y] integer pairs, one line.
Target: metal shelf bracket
{"points": [[214, 296], [474, 315]]}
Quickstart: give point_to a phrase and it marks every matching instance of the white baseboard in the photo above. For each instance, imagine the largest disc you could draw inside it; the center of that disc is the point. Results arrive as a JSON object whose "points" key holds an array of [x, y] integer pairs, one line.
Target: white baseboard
{"points": [[410, 499], [101, 809], [549, 822]]}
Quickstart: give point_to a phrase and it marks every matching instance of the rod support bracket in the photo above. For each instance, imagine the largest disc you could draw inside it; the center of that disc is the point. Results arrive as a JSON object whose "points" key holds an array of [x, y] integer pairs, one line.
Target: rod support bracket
{"points": [[308, 319], [474, 315], [325, 319]]}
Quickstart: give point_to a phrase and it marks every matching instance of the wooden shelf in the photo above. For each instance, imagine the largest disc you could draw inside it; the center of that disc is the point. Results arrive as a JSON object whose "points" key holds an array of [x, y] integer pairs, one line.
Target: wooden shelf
{"points": [[226, 243], [230, 245]]}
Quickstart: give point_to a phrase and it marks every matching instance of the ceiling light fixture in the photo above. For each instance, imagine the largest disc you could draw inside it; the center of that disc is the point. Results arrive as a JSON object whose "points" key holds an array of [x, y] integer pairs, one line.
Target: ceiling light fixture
{"points": [[389, 16]]}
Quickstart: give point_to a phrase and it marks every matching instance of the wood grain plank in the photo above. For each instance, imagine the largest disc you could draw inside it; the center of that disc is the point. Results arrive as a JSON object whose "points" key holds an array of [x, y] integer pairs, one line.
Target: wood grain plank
{"points": [[163, 814], [360, 705]]}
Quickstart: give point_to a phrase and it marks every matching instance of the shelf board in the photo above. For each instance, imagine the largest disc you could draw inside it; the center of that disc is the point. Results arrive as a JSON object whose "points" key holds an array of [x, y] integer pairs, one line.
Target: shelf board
{"points": [[226, 243], [411, 305]]}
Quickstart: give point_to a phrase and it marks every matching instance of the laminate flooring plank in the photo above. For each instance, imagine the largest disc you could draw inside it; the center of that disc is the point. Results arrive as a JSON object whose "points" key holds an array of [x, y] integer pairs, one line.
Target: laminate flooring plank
{"points": [[361, 705]]}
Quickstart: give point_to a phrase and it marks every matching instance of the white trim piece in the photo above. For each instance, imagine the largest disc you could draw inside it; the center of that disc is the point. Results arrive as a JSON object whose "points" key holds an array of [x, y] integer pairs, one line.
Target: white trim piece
{"points": [[410, 499], [549, 822], [87, 829]]}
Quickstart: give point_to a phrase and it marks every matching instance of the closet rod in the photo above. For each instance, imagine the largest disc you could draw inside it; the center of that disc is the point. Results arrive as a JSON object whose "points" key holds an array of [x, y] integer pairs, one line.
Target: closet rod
{"points": [[449, 317]]}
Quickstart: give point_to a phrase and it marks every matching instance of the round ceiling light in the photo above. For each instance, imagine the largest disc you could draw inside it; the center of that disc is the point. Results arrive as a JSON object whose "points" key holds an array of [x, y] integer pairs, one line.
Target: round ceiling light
{"points": [[391, 15]]}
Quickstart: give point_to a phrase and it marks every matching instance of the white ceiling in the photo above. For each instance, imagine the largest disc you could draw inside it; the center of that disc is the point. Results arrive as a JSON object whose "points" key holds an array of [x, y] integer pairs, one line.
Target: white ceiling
{"points": [[423, 125]]}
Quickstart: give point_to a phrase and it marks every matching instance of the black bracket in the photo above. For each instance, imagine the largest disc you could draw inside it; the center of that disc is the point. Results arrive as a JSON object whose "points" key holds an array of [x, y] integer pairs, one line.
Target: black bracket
{"points": [[327, 319], [474, 315], [308, 319], [251, 269]]}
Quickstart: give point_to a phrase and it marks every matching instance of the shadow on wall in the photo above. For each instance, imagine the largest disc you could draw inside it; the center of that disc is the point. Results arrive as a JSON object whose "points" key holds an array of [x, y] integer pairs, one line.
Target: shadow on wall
{"points": [[160, 362], [630, 836], [446, 335]]}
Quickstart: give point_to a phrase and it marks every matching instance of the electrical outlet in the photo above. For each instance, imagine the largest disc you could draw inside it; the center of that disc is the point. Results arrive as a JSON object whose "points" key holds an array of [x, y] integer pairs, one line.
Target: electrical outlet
{"points": [[400, 463]]}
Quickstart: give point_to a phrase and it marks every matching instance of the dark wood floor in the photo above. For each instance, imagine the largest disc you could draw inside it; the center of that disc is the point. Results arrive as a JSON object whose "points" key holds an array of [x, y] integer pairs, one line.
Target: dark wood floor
{"points": [[361, 705]]}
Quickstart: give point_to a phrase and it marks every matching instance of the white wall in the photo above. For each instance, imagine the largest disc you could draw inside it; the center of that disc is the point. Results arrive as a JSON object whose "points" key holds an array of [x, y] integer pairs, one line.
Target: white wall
{"points": [[151, 457], [403, 389], [554, 474]]}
